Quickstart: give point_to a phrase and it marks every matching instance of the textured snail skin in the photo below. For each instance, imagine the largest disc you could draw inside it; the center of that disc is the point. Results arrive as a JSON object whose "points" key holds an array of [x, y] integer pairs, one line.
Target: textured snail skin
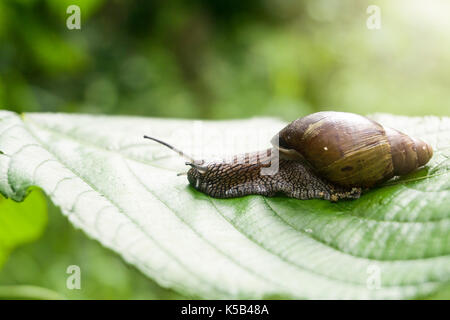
{"points": [[242, 176]]}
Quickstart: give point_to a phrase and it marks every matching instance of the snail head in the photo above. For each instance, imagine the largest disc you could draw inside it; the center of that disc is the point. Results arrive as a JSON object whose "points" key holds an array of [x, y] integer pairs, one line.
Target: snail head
{"points": [[197, 169]]}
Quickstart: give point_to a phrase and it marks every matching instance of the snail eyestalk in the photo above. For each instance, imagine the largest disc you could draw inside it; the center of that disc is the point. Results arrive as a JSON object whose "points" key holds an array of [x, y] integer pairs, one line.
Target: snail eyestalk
{"points": [[198, 166], [181, 153]]}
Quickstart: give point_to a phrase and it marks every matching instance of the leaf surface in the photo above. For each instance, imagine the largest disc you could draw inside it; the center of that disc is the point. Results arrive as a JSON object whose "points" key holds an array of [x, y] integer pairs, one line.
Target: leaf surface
{"points": [[123, 190]]}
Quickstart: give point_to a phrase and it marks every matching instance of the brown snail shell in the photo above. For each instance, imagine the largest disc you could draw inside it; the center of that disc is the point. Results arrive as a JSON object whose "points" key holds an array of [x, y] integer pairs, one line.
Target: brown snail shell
{"points": [[351, 150]]}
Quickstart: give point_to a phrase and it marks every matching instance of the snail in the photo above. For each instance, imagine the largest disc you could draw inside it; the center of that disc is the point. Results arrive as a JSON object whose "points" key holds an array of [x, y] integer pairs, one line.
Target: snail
{"points": [[328, 155]]}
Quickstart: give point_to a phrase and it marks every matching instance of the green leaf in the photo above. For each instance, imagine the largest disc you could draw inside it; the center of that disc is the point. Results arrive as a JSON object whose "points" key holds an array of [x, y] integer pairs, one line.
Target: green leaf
{"points": [[124, 192], [21, 222]]}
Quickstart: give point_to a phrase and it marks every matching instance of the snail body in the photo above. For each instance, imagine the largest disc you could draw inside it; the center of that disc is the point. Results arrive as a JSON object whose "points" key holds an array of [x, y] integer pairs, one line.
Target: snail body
{"points": [[242, 176], [327, 155]]}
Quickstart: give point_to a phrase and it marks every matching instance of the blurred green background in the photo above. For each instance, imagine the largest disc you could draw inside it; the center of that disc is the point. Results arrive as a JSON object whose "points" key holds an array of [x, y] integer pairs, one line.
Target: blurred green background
{"points": [[203, 59]]}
